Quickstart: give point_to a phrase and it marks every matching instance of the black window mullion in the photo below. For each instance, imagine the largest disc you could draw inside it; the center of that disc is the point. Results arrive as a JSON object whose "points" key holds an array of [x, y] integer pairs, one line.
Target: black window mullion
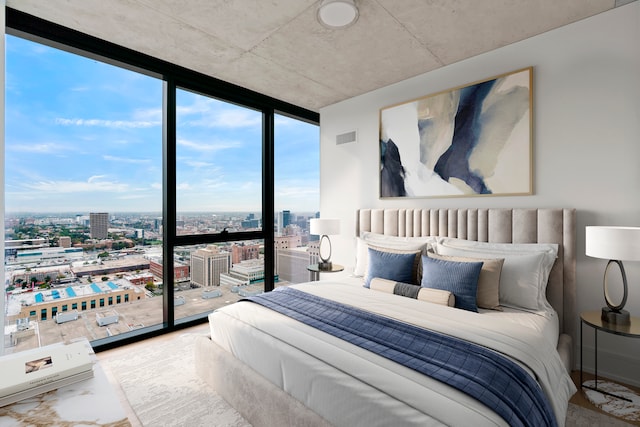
{"points": [[168, 198], [268, 203]]}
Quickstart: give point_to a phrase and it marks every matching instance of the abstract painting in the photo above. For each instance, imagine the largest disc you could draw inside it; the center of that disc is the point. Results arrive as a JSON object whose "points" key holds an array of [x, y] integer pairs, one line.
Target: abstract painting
{"points": [[467, 141]]}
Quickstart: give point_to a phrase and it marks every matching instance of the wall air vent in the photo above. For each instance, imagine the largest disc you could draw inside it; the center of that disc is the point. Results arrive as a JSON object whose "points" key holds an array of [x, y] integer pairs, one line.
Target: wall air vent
{"points": [[347, 137]]}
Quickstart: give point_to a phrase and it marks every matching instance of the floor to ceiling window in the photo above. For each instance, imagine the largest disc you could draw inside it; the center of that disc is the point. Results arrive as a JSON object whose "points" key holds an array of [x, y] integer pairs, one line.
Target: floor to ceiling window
{"points": [[218, 192], [218, 164], [135, 204], [83, 205], [297, 197]]}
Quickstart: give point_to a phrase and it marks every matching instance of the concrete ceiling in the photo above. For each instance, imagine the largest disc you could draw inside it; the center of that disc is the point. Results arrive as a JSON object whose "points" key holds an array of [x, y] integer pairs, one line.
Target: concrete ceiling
{"points": [[276, 47]]}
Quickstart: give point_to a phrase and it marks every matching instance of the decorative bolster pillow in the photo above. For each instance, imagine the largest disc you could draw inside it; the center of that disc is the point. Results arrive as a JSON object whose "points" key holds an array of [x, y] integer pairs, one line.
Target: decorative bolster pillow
{"points": [[435, 296]]}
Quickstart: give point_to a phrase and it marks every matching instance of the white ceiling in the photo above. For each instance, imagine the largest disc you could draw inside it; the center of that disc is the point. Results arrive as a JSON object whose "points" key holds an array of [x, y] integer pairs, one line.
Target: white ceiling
{"points": [[276, 47]]}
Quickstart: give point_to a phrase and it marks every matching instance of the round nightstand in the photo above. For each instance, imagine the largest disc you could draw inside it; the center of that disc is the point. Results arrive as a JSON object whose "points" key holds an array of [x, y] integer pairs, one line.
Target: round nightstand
{"points": [[594, 320], [315, 270]]}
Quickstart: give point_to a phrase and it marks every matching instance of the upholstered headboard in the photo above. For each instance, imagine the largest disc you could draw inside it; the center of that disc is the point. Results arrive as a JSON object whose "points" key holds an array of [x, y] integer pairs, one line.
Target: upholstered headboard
{"points": [[497, 226]]}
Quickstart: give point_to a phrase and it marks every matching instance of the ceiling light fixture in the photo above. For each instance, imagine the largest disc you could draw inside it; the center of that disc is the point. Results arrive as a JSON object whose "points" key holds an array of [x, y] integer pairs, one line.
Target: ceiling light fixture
{"points": [[337, 13]]}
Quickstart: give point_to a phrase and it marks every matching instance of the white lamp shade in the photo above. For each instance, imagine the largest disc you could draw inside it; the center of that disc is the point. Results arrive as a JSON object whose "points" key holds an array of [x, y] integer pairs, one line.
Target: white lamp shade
{"points": [[615, 243], [337, 13], [323, 226]]}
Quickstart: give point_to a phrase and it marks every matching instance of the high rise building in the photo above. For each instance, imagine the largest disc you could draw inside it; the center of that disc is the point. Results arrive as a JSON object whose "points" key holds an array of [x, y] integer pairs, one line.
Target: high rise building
{"points": [[249, 271], [292, 263], [286, 218], [250, 222], [313, 249], [207, 264], [286, 242], [99, 225], [242, 252]]}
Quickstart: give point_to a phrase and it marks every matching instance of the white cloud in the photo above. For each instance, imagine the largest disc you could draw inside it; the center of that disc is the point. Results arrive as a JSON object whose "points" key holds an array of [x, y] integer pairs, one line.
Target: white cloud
{"points": [[209, 146], [198, 164], [200, 104], [211, 184], [117, 124], [43, 148], [231, 118], [125, 159], [95, 178], [216, 114], [249, 185], [134, 196], [280, 120], [149, 114], [92, 184]]}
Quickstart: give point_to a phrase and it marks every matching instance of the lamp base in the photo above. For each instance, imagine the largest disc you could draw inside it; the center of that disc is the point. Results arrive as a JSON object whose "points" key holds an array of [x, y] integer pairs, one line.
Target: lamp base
{"points": [[619, 317], [325, 265]]}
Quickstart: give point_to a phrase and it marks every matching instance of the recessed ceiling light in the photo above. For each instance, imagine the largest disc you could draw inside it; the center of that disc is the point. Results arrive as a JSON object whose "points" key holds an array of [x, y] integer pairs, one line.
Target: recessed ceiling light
{"points": [[337, 13]]}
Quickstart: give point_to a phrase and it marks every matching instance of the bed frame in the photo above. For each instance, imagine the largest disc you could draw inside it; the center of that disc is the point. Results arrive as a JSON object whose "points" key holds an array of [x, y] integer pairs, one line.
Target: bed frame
{"points": [[263, 404]]}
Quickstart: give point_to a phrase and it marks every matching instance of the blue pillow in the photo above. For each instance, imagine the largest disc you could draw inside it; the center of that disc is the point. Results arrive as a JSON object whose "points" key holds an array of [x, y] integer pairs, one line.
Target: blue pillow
{"points": [[390, 265], [459, 278]]}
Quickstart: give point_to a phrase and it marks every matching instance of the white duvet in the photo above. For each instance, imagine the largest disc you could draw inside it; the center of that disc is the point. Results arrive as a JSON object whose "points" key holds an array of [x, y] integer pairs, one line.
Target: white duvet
{"points": [[349, 386]]}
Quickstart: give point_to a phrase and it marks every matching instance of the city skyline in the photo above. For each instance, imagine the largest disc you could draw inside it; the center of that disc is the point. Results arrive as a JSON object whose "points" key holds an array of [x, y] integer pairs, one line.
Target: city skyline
{"points": [[85, 136]]}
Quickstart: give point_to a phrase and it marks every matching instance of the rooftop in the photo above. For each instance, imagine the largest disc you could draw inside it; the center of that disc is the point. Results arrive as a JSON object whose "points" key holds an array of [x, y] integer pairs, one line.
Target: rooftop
{"points": [[22, 297]]}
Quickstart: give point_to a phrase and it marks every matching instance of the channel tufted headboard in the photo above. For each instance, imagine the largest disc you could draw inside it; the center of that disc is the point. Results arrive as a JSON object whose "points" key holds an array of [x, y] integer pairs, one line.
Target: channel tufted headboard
{"points": [[499, 226]]}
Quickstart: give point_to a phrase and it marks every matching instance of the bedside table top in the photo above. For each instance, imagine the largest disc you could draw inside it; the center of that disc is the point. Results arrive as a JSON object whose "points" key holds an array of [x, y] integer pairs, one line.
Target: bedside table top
{"points": [[334, 268], [592, 318]]}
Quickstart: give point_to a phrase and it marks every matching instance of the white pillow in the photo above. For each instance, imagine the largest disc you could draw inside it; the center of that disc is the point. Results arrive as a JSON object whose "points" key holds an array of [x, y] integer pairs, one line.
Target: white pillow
{"points": [[382, 242], [523, 248], [526, 268], [397, 242]]}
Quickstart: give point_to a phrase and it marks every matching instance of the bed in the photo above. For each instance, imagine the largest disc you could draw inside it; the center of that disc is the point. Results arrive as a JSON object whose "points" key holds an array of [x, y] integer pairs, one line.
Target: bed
{"points": [[277, 370]]}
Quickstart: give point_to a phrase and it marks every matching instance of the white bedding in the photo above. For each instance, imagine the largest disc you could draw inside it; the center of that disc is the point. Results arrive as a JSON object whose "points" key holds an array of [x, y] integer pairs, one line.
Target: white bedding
{"points": [[350, 386], [547, 325]]}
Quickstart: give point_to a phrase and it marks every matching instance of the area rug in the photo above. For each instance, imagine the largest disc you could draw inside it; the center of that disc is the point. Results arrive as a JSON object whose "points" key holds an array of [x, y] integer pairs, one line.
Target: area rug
{"points": [[612, 405], [161, 385]]}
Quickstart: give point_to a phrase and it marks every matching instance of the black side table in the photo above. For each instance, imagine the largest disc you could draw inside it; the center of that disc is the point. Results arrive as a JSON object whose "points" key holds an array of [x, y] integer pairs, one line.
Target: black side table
{"points": [[314, 271], [593, 319]]}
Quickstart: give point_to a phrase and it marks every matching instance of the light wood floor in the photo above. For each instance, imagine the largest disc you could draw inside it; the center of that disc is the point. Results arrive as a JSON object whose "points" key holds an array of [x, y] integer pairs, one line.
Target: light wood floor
{"points": [[580, 398]]}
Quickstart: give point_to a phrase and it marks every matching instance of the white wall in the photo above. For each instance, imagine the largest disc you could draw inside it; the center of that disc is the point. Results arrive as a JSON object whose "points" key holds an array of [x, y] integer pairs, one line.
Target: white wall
{"points": [[586, 148]]}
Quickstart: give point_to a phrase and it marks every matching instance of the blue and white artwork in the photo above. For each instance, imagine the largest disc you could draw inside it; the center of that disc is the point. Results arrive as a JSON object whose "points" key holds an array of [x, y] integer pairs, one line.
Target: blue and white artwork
{"points": [[472, 140]]}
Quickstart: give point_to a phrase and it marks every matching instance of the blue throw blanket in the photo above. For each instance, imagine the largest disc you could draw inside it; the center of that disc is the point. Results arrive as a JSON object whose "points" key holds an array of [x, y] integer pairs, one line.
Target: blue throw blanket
{"points": [[491, 378]]}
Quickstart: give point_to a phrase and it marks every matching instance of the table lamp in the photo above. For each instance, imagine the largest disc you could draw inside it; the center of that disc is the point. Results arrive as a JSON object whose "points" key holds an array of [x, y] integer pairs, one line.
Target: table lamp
{"points": [[616, 244], [324, 228]]}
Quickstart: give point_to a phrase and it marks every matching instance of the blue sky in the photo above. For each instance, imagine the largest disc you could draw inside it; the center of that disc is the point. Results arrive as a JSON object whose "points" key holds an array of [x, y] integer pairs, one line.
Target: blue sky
{"points": [[84, 136]]}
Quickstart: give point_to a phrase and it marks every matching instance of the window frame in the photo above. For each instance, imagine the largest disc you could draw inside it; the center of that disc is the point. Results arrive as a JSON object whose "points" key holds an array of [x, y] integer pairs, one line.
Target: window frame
{"points": [[173, 76]]}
